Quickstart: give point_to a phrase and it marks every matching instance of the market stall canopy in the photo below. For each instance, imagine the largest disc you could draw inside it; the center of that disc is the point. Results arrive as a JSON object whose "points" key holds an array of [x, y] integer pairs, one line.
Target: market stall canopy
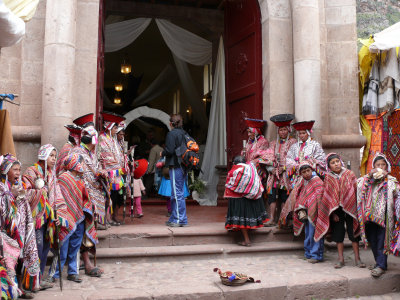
{"points": [[12, 28], [386, 39]]}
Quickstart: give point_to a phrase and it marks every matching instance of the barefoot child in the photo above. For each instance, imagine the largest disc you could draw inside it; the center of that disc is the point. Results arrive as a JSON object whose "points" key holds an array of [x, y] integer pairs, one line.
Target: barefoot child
{"points": [[337, 210], [308, 192]]}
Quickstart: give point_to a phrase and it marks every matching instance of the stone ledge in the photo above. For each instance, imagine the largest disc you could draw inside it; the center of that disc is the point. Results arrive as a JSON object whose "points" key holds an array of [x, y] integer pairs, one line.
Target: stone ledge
{"points": [[26, 133], [343, 141]]}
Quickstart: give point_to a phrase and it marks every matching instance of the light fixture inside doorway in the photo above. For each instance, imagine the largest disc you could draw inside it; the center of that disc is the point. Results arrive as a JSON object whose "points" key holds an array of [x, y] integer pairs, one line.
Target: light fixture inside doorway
{"points": [[118, 87], [117, 99], [126, 67]]}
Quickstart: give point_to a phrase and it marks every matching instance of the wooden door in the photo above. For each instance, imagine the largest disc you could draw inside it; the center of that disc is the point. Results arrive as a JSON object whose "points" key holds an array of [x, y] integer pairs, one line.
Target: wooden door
{"points": [[100, 66], [243, 70]]}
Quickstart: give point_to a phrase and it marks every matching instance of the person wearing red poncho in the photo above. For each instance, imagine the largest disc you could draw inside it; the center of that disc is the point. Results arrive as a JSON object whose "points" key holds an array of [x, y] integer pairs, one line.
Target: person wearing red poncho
{"points": [[256, 145], [307, 194], [246, 208], [81, 221], [337, 210], [111, 158], [73, 140]]}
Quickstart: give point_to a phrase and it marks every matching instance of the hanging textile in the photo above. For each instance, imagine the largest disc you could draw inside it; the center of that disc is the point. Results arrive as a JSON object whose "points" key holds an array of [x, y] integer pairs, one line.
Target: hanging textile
{"points": [[24, 9], [184, 44], [214, 153], [6, 138], [391, 141], [376, 140], [121, 34], [164, 82], [386, 39], [12, 28], [192, 94]]}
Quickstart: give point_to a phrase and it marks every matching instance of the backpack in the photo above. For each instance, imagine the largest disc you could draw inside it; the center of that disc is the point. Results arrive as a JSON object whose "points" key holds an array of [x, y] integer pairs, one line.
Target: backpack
{"points": [[187, 152]]}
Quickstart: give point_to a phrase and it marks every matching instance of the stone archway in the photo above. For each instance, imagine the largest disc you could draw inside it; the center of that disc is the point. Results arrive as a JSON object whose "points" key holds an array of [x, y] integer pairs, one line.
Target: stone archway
{"points": [[145, 111]]}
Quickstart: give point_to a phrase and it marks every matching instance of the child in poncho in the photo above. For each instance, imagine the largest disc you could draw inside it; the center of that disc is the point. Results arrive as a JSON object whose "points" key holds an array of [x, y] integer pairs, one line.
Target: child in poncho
{"points": [[307, 193], [337, 210], [376, 196]]}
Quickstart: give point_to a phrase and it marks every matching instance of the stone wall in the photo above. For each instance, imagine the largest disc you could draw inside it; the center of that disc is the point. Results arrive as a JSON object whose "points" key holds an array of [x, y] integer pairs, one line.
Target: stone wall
{"points": [[21, 72]]}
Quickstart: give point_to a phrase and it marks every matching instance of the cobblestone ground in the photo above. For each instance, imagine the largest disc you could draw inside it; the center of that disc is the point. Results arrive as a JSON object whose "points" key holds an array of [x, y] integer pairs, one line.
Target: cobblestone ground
{"points": [[194, 279]]}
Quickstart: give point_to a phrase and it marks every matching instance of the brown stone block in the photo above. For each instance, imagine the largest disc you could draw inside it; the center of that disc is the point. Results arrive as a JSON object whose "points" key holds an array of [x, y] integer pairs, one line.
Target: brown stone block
{"points": [[279, 9], [40, 10], [333, 88], [280, 40], [35, 29], [26, 153], [264, 10], [319, 290], [31, 93], [4, 68], [33, 50], [333, 3], [87, 23], [388, 283], [14, 69], [10, 86], [30, 114], [32, 71], [282, 87], [346, 32], [340, 15], [14, 51]]}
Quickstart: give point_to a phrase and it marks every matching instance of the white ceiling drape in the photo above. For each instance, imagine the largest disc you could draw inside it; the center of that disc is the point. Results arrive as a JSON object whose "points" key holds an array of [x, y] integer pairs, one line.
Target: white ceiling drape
{"points": [[184, 44], [386, 39], [121, 34]]}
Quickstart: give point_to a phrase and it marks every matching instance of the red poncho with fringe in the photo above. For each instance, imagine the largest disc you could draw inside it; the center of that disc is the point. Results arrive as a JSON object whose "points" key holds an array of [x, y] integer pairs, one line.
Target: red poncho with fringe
{"points": [[337, 192], [79, 206], [62, 156], [305, 195]]}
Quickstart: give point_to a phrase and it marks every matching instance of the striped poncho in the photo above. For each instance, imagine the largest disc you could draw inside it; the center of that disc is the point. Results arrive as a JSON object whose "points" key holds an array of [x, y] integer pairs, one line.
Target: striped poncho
{"points": [[62, 156], [91, 179], [79, 206], [305, 195], [338, 191], [243, 179], [112, 160], [376, 203]]}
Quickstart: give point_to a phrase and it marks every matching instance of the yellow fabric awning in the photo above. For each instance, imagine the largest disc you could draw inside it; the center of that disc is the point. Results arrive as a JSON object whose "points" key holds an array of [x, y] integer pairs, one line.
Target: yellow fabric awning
{"points": [[24, 9]]}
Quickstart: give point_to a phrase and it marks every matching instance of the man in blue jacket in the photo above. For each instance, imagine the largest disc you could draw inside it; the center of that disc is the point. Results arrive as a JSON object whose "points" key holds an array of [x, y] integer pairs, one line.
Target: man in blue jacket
{"points": [[177, 172]]}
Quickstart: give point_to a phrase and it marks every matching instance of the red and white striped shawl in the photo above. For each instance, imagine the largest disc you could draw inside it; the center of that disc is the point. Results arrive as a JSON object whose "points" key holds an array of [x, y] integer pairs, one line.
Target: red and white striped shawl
{"points": [[62, 156], [337, 192], [307, 196], [243, 179]]}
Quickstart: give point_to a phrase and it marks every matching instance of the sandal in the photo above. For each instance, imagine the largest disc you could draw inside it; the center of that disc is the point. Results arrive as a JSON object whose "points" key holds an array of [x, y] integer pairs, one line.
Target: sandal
{"points": [[74, 278], [371, 267], [244, 244], [339, 265], [27, 295], [377, 272], [95, 272], [113, 223], [360, 264]]}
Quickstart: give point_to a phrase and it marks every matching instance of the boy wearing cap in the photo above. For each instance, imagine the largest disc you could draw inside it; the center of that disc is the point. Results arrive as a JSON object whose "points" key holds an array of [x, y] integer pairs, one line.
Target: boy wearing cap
{"points": [[278, 184]]}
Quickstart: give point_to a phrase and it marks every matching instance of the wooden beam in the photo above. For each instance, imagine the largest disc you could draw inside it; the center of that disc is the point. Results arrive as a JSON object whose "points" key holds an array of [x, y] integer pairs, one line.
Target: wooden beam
{"points": [[211, 19]]}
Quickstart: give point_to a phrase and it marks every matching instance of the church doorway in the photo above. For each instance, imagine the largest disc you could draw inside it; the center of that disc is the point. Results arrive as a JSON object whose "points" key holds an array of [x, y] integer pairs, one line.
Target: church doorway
{"points": [[169, 75]]}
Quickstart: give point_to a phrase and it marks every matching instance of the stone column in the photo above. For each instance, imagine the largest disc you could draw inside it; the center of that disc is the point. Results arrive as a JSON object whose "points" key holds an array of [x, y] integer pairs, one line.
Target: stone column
{"points": [[307, 62], [58, 70]]}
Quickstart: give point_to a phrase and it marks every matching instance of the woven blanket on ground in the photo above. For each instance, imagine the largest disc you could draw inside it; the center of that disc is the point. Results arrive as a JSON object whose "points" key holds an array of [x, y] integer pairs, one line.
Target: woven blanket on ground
{"points": [[337, 192], [62, 156], [91, 170], [376, 140], [111, 158], [280, 151], [244, 180], [312, 151], [307, 196], [391, 141], [375, 203], [78, 204]]}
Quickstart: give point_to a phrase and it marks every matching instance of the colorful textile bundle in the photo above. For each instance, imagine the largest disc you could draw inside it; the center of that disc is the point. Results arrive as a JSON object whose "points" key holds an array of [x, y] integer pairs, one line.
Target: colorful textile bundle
{"points": [[338, 192], [9, 289], [234, 278], [245, 181]]}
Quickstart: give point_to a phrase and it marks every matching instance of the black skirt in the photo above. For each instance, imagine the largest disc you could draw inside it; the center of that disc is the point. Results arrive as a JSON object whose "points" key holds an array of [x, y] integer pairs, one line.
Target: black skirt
{"points": [[245, 213]]}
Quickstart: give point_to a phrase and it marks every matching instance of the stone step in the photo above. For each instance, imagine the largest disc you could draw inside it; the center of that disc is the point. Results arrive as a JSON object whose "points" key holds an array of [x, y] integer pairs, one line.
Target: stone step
{"points": [[157, 236], [207, 251]]}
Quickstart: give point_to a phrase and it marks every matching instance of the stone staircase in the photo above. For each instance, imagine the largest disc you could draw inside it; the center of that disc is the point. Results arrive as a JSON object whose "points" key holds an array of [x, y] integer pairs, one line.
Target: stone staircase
{"points": [[157, 243]]}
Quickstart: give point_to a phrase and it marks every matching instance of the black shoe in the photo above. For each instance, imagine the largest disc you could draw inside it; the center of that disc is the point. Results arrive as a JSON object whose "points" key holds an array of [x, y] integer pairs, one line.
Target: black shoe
{"points": [[184, 225], [172, 224], [74, 278]]}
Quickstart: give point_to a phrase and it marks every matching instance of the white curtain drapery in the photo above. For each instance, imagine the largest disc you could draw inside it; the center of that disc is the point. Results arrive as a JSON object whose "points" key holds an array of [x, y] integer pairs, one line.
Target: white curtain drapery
{"points": [[12, 28], [214, 153], [184, 44], [386, 39], [121, 34]]}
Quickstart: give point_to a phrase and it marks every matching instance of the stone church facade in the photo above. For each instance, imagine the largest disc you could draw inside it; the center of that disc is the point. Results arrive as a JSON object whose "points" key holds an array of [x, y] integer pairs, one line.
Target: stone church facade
{"points": [[309, 68]]}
